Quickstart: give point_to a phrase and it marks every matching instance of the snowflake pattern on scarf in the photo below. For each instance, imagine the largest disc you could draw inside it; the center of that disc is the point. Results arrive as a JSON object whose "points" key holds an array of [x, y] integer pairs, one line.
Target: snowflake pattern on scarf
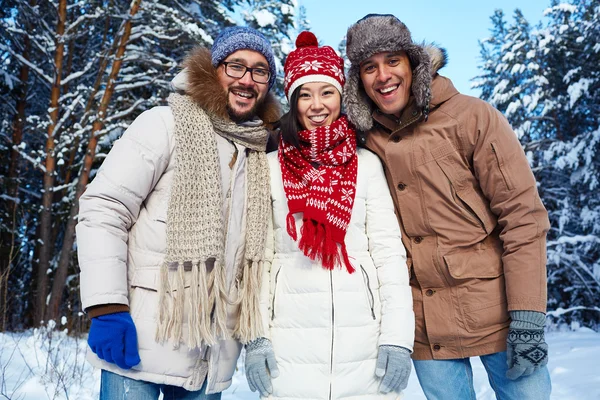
{"points": [[325, 193]]}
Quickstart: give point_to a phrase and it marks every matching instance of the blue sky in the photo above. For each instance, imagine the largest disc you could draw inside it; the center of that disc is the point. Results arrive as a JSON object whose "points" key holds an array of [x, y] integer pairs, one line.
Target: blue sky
{"points": [[456, 25]]}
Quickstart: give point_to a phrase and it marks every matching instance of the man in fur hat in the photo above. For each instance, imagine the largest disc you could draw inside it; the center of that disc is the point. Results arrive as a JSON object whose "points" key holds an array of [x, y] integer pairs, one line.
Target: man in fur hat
{"points": [[471, 217], [171, 230]]}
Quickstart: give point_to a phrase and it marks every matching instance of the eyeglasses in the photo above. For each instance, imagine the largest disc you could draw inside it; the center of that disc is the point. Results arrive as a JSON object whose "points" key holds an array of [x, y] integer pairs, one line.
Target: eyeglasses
{"points": [[236, 70]]}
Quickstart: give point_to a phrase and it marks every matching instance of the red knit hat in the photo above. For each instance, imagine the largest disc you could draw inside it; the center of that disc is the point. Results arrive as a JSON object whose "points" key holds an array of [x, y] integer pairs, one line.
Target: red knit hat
{"points": [[311, 63]]}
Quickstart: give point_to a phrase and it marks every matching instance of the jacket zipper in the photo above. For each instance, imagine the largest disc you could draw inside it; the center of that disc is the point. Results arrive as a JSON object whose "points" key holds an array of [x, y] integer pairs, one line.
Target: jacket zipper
{"points": [[369, 292], [332, 335], [500, 162], [275, 294]]}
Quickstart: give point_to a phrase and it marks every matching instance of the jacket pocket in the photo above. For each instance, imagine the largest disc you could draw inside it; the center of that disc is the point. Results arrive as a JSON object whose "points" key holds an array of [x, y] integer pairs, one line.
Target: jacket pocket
{"points": [[478, 263], [142, 300], [369, 292], [480, 287], [501, 166], [147, 270], [466, 208], [465, 189], [146, 266], [275, 293]]}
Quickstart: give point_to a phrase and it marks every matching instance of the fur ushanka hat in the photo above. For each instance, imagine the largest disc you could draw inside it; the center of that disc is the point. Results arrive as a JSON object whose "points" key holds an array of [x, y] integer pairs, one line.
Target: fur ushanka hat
{"points": [[377, 33]]}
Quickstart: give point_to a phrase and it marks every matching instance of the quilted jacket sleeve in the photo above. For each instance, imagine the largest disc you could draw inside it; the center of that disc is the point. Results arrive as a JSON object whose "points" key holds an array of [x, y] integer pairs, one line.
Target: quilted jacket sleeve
{"points": [[111, 204], [389, 256]]}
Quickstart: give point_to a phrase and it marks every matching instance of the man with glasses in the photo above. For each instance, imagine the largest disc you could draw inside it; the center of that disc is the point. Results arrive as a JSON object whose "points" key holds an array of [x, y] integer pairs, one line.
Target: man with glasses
{"points": [[171, 230]]}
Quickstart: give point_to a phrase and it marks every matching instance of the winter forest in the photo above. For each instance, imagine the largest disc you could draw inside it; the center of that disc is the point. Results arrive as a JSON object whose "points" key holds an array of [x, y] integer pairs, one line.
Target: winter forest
{"points": [[75, 74]]}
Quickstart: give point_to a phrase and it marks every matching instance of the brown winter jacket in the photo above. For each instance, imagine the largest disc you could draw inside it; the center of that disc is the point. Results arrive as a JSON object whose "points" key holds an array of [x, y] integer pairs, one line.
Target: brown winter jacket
{"points": [[471, 219]]}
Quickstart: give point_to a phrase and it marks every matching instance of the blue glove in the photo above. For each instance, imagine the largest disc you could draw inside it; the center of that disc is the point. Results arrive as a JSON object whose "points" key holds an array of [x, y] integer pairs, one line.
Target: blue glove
{"points": [[114, 339]]}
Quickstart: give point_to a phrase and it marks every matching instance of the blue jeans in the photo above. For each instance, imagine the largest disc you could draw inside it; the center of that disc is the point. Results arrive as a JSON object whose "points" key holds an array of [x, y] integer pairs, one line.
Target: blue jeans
{"points": [[453, 379], [117, 387]]}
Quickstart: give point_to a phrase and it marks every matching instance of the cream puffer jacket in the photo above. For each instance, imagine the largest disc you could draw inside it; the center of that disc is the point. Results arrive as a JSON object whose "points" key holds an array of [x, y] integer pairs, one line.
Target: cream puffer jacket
{"points": [[121, 234], [121, 238], [326, 326]]}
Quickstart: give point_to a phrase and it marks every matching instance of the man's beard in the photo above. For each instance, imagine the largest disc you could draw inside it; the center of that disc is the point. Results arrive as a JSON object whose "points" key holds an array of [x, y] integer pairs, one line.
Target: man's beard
{"points": [[237, 116]]}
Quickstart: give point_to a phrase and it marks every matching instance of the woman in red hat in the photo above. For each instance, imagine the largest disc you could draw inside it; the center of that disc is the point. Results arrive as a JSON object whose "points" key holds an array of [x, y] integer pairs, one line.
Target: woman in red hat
{"points": [[336, 303]]}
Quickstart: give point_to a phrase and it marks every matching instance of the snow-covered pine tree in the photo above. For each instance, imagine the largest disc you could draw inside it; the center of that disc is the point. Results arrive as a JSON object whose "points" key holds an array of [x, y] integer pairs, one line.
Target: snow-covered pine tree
{"points": [[570, 166], [276, 20], [91, 68], [552, 104], [153, 45], [342, 51], [14, 86], [31, 50], [302, 21], [81, 93], [490, 50], [510, 79]]}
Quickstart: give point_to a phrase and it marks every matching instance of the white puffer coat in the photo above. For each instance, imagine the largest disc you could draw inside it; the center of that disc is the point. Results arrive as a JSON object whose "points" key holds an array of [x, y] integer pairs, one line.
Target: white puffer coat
{"points": [[326, 326], [121, 238]]}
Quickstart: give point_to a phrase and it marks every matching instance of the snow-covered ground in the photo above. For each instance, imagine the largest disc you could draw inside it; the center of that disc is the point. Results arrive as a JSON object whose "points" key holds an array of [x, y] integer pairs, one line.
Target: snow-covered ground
{"points": [[38, 366]]}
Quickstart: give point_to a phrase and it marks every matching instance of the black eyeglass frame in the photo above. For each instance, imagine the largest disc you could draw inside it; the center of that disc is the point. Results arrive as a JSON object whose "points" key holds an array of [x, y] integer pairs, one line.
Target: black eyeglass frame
{"points": [[246, 69]]}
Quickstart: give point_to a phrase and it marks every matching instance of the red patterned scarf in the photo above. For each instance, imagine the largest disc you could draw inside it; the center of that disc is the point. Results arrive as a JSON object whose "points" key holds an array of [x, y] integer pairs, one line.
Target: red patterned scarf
{"points": [[324, 194]]}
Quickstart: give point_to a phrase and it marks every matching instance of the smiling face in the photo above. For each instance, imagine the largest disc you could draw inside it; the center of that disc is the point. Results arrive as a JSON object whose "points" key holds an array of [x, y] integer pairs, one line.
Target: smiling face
{"points": [[244, 96], [387, 78], [319, 104]]}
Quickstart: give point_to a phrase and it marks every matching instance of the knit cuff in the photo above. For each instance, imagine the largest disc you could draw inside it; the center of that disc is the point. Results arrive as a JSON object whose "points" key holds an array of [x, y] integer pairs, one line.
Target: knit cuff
{"points": [[397, 348], [105, 309], [523, 319], [258, 343]]}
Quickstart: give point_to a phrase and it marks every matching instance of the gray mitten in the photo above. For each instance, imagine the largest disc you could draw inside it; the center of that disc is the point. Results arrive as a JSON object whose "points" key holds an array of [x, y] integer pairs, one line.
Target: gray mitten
{"points": [[526, 349], [393, 366], [260, 366]]}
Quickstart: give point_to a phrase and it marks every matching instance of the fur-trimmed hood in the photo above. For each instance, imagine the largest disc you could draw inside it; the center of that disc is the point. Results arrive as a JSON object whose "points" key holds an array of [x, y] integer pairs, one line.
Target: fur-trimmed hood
{"points": [[426, 61], [199, 80]]}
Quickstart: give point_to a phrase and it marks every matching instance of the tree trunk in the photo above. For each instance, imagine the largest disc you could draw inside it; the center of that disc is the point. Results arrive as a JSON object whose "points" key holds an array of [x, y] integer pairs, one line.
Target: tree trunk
{"points": [[103, 62], [65, 255], [47, 197], [17, 136], [7, 242]]}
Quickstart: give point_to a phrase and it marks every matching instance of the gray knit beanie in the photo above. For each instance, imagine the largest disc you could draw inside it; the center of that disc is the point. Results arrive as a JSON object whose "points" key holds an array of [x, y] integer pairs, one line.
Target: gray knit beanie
{"points": [[237, 38], [377, 33]]}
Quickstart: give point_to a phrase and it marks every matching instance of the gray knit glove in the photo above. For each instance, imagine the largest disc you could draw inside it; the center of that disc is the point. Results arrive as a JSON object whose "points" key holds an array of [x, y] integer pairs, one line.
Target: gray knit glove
{"points": [[526, 349], [260, 366], [393, 366]]}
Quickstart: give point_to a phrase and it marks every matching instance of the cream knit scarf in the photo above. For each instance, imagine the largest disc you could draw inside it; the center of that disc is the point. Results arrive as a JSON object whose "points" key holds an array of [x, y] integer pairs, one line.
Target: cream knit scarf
{"points": [[195, 232]]}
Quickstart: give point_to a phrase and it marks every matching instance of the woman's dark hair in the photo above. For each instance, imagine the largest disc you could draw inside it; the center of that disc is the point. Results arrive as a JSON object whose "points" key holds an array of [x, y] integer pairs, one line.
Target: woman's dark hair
{"points": [[288, 123]]}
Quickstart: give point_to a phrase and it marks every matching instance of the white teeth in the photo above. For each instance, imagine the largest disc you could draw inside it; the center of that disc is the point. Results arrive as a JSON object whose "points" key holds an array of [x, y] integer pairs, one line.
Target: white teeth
{"points": [[388, 89], [244, 94], [318, 118]]}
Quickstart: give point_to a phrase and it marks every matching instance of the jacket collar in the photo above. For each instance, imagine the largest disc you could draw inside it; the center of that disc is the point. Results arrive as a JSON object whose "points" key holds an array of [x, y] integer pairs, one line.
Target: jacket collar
{"points": [[442, 90], [199, 80], [410, 114]]}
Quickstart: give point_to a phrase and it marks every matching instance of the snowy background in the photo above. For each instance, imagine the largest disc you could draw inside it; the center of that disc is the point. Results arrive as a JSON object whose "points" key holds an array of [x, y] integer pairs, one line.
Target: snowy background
{"points": [[65, 99], [36, 366]]}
